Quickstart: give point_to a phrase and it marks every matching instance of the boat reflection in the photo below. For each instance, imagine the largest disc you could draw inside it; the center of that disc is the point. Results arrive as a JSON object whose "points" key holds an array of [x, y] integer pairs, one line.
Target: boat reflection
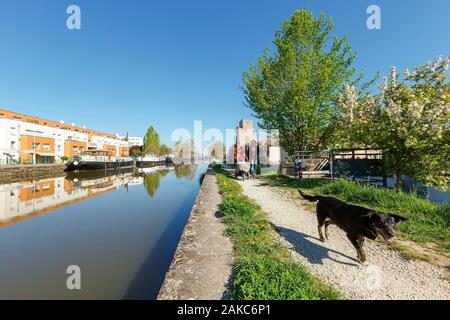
{"points": [[23, 200]]}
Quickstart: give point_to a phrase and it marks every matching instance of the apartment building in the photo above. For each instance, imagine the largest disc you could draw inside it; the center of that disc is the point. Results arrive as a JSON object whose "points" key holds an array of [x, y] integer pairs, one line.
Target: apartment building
{"points": [[135, 141], [132, 141], [29, 139]]}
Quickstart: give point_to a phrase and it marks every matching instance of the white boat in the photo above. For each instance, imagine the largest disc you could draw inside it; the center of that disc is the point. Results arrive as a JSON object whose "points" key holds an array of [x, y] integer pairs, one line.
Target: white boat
{"points": [[151, 161]]}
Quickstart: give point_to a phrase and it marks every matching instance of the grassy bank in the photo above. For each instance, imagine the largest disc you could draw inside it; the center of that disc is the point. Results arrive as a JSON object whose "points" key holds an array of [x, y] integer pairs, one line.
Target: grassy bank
{"points": [[265, 269], [429, 223]]}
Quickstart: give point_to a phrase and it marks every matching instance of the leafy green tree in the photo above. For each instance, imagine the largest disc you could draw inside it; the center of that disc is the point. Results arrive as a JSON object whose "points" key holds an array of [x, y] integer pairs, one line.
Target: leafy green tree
{"points": [[409, 121], [136, 153], [217, 150], [164, 150], [185, 148], [295, 90], [151, 141]]}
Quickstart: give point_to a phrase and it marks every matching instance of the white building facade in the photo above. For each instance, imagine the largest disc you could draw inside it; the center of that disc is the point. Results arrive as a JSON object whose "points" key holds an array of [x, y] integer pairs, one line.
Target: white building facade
{"points": [[27, 139], [46, 142], [135, 141], [105, 143], [132, 141]]}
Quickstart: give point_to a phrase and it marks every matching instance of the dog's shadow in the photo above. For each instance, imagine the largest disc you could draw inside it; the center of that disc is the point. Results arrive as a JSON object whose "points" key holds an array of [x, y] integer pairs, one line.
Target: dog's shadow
{"points": [[314, 253]]}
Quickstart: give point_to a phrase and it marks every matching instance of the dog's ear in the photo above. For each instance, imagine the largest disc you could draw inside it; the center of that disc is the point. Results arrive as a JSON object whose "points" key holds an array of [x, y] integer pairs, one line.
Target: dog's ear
{"points": [[374, 216], [397, 218]]}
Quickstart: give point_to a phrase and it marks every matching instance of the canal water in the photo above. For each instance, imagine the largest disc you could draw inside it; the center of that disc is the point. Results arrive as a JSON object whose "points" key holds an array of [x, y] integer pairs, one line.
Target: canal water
{"points": [[120, 229]]}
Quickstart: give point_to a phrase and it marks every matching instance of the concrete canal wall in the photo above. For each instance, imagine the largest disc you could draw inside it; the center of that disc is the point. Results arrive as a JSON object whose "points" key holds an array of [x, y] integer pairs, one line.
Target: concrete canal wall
{"points": [[202, 265], [16, 173]]}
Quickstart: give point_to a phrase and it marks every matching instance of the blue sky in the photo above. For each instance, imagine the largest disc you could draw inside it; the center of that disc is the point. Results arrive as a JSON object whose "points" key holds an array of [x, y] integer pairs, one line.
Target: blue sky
{"points": [[167, 63]]}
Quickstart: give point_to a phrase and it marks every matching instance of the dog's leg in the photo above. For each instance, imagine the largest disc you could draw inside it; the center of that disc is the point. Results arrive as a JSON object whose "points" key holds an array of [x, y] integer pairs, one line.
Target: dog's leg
{"points": [[357, 242], [319, 227], [362, 254], [321, 218], [327, 223]]}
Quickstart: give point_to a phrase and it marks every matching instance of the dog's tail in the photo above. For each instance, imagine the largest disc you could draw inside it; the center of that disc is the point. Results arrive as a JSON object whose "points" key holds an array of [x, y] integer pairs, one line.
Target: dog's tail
{"points": [[308, 197]]}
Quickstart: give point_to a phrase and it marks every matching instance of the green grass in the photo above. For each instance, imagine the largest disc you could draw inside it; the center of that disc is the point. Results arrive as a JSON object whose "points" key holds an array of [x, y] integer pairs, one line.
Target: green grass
{"points": [[264, 270], [428, 223]]}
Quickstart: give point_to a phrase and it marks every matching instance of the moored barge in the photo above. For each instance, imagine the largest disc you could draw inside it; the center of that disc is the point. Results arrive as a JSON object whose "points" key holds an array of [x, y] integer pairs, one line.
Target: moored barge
{"points": [[98, 160], [152, 161]]}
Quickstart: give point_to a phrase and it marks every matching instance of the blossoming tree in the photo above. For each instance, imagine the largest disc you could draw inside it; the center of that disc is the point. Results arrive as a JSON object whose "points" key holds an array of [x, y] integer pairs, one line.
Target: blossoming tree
{"points": [[409, 121]]}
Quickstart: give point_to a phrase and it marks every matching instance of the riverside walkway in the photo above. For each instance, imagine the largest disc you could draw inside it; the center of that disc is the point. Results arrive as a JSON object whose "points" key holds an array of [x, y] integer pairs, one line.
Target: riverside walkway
{"points": [[202, 266]]}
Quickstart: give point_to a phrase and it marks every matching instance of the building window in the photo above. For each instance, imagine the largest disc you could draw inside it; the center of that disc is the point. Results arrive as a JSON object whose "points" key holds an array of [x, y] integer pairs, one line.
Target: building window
{"points": [[34, 131], [35, 145], [46, 146]]}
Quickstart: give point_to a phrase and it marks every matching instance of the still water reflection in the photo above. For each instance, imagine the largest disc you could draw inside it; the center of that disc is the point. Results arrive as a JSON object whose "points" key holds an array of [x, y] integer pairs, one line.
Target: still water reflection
{"points": [[120, 229]]}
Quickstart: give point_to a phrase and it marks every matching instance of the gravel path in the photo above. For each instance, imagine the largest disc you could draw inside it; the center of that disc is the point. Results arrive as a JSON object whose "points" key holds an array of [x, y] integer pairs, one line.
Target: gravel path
{"points": [[386, 275]]}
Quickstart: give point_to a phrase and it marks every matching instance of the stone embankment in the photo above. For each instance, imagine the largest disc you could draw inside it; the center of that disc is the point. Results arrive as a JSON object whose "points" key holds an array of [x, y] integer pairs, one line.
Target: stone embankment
{"points": [[17, 173], [202, 266]]}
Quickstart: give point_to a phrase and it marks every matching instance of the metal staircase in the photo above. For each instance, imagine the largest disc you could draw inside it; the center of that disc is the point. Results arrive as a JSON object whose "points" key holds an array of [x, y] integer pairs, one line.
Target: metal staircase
{"points": [[10, 159], [322, 164], [317, 163]]}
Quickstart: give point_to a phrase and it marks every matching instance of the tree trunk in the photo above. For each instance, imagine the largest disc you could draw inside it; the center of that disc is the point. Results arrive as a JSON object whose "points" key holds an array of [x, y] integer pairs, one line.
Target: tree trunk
{"points": [[399, 182]]}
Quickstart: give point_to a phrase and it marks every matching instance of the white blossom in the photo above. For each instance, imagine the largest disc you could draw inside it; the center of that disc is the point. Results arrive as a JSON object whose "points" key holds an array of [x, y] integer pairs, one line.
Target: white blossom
{"points": [[411, 114], [393, 76]]}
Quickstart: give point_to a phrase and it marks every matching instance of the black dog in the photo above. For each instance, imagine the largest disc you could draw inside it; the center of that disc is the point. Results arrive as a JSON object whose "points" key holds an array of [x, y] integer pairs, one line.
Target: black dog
{"points": [[357, 222]]}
